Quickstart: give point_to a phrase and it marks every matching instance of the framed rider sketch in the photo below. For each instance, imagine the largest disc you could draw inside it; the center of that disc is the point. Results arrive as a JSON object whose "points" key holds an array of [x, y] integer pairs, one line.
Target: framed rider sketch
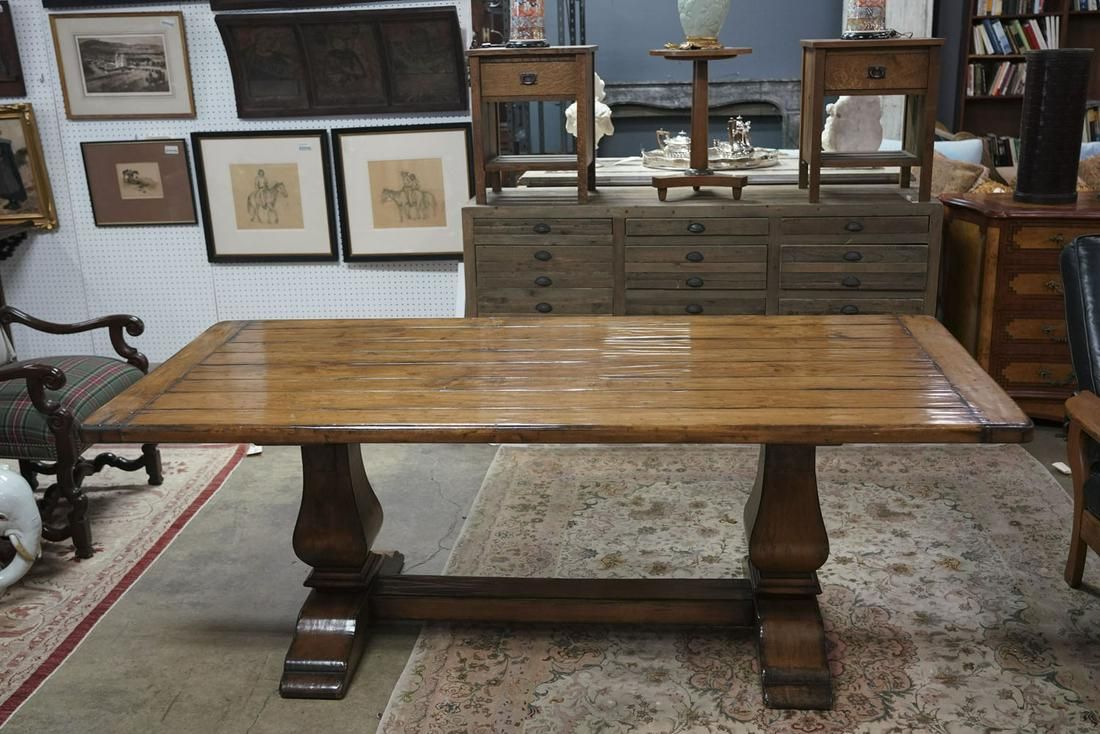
{"points": [[402, 190], [266, 196]]}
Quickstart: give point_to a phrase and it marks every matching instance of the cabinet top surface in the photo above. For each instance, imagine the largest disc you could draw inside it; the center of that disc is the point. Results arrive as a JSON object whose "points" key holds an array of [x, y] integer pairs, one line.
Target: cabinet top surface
{"points": [[522, 53], [865, 200], [736, 379], [839, 44], [1003, 206]]}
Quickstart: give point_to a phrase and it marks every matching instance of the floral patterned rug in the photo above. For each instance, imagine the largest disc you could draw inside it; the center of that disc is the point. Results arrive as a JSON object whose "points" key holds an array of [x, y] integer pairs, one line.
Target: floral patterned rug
{"points": [[45, 615], [943, 597]]}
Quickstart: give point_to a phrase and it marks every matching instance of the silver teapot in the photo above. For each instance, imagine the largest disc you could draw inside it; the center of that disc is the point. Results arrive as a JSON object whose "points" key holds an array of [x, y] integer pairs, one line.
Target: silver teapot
{"points": [[678, 147]]}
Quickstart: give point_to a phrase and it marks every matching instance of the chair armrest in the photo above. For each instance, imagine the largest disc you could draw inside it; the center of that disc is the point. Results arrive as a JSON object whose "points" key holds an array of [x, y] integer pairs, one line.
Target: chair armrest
{"points": [[39, 377], [115, 325], [1084, 409]]}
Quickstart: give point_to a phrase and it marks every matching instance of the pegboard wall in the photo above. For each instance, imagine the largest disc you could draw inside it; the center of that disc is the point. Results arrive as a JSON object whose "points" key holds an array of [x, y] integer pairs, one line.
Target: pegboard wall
{"points": [[161, 273]]}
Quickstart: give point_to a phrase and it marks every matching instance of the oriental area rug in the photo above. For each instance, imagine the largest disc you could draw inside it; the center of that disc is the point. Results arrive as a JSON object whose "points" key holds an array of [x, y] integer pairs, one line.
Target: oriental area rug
{"points": [[943, 597], [44, 617]]}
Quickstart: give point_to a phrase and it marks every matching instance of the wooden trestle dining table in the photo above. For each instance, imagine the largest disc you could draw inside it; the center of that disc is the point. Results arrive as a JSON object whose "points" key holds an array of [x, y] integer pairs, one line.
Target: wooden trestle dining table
{"points": [[788, 383]]}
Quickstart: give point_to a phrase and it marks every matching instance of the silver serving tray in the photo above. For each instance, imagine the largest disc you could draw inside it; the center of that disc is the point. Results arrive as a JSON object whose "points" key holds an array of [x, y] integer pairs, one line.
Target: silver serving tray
{"points": [[760, 158]]}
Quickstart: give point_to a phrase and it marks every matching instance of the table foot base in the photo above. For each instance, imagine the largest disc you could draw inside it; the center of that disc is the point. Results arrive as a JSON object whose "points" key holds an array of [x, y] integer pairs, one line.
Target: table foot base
{"points": [[664, 183], [328, 642], [793, 668]]}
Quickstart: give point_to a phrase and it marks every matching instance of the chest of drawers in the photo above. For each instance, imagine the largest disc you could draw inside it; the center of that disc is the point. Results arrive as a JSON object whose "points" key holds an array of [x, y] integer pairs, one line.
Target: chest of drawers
{"points": [[1002, 294], [860, 251]]}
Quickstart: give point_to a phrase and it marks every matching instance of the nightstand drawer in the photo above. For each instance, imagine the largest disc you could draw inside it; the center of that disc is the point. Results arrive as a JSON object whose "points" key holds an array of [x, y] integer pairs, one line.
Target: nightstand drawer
{"points": [[853, 226], [693, 303], [897, 71], [700, 226], [1044, 333], [1036, 373], [1035, 285], [1048, 237], [513, 79], [850, 306], [535, 301]]}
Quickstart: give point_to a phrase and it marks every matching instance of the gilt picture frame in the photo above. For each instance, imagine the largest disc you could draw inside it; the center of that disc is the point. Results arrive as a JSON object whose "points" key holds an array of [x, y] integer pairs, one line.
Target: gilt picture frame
{"points": [[11, 70], [117, 66], [139, 182], [402, 189], [408, 60], [266, 196], [25, 194]]}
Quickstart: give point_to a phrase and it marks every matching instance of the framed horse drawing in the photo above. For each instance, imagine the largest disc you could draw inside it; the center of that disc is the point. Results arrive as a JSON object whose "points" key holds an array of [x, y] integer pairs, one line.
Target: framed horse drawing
{"points": [[265, 195], [402, 190]]}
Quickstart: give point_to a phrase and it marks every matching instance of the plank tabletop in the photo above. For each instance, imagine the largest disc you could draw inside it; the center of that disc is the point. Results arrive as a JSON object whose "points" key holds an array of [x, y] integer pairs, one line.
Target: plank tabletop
{"points": [[737, 379]]}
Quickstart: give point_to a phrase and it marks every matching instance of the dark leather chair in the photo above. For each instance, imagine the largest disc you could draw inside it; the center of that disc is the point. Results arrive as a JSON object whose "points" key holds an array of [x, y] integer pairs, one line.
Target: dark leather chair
{"points": [[42, 404], [1080, 264]]}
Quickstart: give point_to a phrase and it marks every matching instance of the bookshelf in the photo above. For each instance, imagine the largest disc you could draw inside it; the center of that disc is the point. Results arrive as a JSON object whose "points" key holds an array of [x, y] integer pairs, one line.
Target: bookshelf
{"points": [[997, 111]]}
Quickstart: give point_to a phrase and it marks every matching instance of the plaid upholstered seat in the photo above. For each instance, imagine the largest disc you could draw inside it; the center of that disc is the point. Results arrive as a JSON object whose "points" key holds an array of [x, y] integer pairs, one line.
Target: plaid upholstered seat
{"points": [[90, 383]]}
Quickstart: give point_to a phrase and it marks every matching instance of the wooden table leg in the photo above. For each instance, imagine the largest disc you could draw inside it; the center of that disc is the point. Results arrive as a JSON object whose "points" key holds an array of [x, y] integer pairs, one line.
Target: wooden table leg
{"points": [[338, 521], [787, 544]]}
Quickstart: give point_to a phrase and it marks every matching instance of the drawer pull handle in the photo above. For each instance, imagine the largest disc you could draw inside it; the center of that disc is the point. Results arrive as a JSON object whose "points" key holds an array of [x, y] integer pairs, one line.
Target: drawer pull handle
{"points": [[529, 79], [1054, 286], [544, 308], [695, 282], [542, 228], [543, 282], [694, 256], [850, 281], [543, 255], [849, 310], [694, 309], [697, 228], [854, 226], [1045, 378], [876, 72], [1049, 330], [853, 256], [1058, 239]]}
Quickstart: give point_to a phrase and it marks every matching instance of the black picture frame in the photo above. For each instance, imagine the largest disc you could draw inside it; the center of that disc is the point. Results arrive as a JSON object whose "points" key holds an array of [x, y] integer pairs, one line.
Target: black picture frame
{"points": [[11, 70], [331, 254], [220, 5], [358, 62], [91, 4], [347, 235]]}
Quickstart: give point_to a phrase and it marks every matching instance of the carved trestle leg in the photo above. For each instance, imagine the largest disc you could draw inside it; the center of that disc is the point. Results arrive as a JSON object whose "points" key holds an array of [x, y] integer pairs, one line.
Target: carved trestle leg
{"points": [[787, 544], [338, 521]]}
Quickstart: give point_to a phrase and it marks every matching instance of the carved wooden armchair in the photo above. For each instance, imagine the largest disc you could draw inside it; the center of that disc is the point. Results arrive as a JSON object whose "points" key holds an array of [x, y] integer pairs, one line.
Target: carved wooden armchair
{"points": [[1081, 275], [42, 404]]}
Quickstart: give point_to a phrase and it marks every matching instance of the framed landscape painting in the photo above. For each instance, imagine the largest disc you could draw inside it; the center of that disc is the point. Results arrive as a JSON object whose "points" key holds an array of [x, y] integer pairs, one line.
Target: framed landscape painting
{"points": [[139, 182], [123, 65], [24, 185], [266, 196], [402, 190]]}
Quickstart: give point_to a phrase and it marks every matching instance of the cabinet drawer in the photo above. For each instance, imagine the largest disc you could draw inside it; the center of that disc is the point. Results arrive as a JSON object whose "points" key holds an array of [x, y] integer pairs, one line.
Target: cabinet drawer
{"points": [[535, 231], [545, 258], [854, 70], [1049, 374], [720, 280], [1028, 331], [1031, 286], [700, 226], [693, 303], [853, 280], [1049, 237], [854, 255], [511, 79], [853, 225], [850, 306], [554, 302], [696, 258]]}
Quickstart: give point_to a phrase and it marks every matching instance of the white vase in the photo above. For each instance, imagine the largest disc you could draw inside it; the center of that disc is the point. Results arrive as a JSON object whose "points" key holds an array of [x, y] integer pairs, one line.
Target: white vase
{"points": [[702, 19]]}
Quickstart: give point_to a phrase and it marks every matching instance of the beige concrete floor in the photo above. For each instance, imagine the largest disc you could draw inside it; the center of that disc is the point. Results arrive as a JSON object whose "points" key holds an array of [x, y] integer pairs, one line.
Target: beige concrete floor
{"points": [[197, 644]]}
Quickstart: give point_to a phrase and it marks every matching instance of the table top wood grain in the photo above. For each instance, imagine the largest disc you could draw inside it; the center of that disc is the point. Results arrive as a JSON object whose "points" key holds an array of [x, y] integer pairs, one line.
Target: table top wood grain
{"points": [[738, 379]]}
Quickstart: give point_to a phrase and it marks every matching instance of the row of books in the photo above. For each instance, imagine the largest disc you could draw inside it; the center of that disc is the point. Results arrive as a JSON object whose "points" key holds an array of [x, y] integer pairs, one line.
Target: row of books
{"points": [[1015, 36], [1085, 4], [986, 80], [1091, 131], [1013, 7]]}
